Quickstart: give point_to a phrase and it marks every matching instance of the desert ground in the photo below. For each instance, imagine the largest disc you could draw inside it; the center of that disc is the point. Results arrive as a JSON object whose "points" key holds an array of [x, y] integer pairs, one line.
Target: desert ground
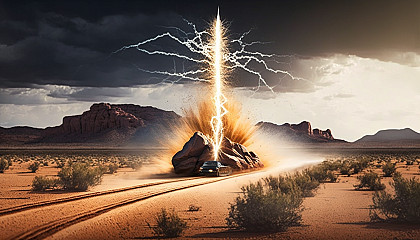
{"points": [[122, 205]]}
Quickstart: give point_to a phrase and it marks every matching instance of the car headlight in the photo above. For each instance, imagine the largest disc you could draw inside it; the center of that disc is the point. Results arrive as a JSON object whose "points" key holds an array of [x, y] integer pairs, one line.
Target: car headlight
{"points": [[201, 168], [210, 170]]}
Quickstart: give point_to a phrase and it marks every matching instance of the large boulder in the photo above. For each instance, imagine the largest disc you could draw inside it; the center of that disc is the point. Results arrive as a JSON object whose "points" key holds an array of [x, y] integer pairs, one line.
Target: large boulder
{"points": [[185, 161], [199, 150]]}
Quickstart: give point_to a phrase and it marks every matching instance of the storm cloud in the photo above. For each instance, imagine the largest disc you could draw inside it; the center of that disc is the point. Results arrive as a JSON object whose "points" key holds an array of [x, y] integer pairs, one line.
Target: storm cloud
{"points": [[70, 43]]}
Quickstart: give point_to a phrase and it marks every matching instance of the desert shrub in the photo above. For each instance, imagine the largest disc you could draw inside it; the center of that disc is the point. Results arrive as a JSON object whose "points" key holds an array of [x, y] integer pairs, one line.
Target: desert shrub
{"points": [[168, 224], [103, 168], [79, 176], [9, 161], [409, 162], [260, 208], [359, 165], [4, 165], [345, 169], [404, 205], [135, 165], [306, 184], [283, 184], [370, 181], [112, 168], [34, 166], [60, 164], [123, 163], [45, 163], [331, 165], [388, 169], [321, 174], [41, 183], [299, 180]]}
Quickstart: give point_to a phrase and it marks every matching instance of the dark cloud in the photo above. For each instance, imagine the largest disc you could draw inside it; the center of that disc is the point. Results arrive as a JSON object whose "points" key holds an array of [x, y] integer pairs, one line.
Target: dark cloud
{"points": [[90, 94], [69, 42]]}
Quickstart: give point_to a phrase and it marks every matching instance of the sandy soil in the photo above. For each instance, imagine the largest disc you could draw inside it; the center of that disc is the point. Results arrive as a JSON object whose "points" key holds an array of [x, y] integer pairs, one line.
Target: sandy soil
{"points": [[16, 184], [336, 212]]}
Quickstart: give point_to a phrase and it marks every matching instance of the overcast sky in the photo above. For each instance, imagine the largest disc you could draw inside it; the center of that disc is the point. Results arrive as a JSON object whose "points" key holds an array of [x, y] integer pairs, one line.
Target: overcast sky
{"points": [[360, 60]]}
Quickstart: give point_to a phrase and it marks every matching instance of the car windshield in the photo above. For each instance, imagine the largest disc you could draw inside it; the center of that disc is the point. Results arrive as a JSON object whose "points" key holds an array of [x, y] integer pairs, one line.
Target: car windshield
{"points": [[210, 163]]}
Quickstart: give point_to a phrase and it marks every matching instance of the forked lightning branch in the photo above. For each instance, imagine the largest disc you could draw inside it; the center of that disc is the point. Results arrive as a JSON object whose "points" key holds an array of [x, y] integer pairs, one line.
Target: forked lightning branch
{"points": [[215, 59]]}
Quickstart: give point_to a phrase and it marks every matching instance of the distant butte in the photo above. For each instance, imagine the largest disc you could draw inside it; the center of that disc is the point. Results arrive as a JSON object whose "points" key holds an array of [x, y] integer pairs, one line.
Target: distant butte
{"points": [[301, 133], [102, 123]]}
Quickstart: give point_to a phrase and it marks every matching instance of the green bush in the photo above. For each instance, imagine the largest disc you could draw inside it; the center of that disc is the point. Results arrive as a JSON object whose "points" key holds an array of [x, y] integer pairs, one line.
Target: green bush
{"points": [[34, 166], [260, 208], [359, 165], [345, 169], [41, 183], [79, 176], [388, 169], [112, 168], [168, 224], [331, 165], [369, 181], [404, 205], [4, 165], [306, 184], [321, 174], [299, 180], [103, 168]]}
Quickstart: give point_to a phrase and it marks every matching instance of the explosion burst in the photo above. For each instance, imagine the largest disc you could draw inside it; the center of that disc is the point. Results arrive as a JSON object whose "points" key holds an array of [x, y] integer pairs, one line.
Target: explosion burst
{"points": [[214, 59]]}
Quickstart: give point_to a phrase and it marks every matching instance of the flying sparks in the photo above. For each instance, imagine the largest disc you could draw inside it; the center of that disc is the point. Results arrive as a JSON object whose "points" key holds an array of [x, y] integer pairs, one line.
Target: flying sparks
{"points": [[208, 52]]}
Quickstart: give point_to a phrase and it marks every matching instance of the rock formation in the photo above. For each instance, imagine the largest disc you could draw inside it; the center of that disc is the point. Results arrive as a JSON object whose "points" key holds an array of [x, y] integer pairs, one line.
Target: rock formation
{"points": [[302, 132], [324, 134], [303, 127], [113, 123], [199, 150], [101, 116]]}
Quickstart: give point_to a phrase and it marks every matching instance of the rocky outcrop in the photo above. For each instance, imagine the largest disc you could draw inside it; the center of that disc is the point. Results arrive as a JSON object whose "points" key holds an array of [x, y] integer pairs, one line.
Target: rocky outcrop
{"points": [[103, 117], [303, 127], [199, 150], [100, 117], [323, 134], [122, 124], [301, 133]]}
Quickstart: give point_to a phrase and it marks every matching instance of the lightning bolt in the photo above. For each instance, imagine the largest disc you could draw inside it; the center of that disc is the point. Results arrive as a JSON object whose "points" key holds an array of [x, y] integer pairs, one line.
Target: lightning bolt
{"points": [[197, 42], [219, 98], [212, 57]]}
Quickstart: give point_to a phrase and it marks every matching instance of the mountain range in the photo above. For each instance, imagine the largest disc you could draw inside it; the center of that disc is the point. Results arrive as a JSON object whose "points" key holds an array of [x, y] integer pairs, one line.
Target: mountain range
{"points": [[107, 124]]}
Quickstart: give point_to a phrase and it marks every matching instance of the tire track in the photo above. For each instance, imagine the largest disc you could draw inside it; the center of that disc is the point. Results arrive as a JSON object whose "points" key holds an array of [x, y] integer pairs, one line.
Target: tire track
{"points": [[52, 227], [28, 206]]}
